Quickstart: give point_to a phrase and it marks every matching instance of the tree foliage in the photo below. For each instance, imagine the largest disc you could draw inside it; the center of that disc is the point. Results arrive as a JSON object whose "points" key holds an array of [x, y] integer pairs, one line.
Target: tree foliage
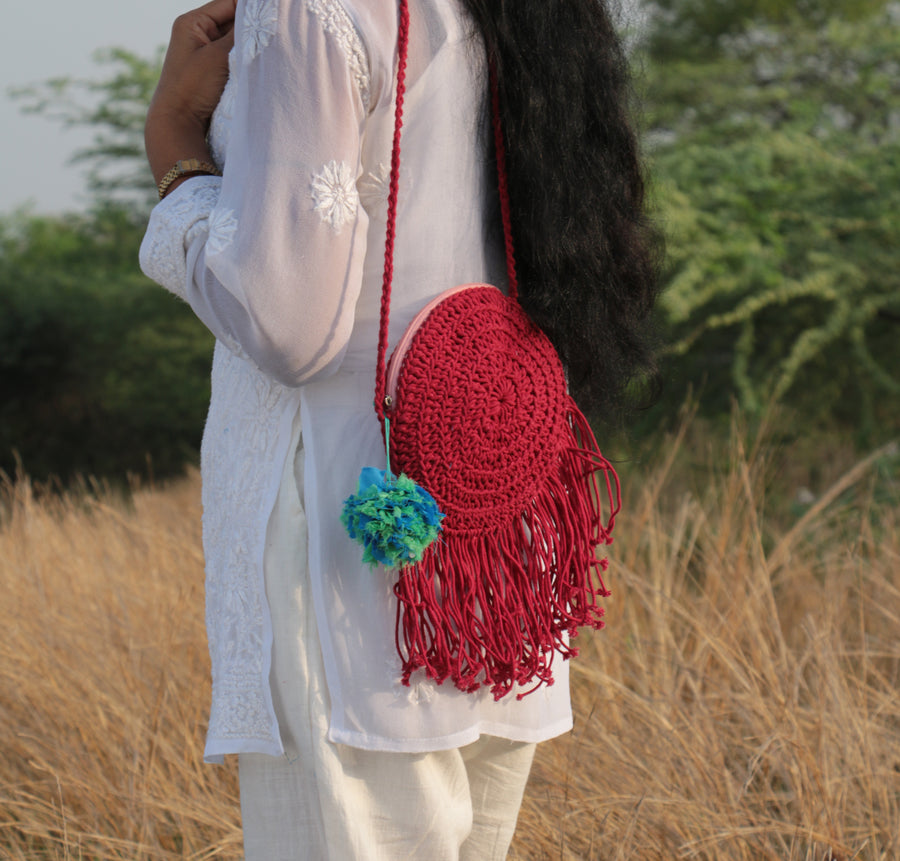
{"points": [[693, 28], [777, 161], [114, 107], [774, 136], [102, 372], [100, 368]]}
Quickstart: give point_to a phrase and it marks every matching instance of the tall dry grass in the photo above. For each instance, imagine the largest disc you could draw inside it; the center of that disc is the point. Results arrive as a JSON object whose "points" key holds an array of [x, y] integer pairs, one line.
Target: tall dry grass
{"points": [[742, 703], [103, 689]]}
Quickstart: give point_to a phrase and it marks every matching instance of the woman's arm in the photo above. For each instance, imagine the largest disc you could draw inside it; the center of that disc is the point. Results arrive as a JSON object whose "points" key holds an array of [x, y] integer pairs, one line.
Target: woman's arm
{"points": [[274, 264], [193, 76]]}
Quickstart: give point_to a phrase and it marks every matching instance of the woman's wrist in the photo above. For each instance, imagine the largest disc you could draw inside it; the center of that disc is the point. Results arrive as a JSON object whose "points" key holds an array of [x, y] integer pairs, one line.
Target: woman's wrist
{"points": [[170, 140]]}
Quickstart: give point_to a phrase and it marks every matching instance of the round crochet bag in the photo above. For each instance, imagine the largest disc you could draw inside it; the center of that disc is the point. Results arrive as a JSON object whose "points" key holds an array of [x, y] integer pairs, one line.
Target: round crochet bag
{"points": [[496, 517]]}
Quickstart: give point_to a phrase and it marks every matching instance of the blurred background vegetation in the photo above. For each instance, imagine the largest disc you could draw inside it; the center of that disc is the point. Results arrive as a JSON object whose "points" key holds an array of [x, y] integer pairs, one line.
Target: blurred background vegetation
{"points": [[773, 138]]}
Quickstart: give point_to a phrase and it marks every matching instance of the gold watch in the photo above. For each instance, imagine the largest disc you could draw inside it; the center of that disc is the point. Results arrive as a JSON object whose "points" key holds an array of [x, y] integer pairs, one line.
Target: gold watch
{"points": [[184, 167]]}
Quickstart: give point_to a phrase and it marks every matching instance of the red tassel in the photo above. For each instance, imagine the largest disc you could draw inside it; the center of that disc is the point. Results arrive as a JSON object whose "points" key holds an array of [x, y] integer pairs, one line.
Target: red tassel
{"points": [[497, 608]]}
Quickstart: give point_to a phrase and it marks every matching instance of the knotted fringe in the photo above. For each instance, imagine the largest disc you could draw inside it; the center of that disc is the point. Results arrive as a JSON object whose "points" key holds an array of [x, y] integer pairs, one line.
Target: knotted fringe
{"points": [[495, 609]]}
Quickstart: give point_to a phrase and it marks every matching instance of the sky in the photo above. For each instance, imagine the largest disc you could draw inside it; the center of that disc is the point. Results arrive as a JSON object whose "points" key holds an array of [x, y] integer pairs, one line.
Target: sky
{"points": [[37, 44], [47, 40]]}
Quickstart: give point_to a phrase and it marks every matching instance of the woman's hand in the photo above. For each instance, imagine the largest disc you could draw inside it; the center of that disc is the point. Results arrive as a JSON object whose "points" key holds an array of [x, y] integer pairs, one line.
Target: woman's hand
{"points": [[193, 76]]}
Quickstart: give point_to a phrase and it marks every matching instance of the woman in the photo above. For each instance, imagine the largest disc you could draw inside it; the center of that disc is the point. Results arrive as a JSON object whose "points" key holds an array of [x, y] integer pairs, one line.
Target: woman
{"points": [[281, 258]]}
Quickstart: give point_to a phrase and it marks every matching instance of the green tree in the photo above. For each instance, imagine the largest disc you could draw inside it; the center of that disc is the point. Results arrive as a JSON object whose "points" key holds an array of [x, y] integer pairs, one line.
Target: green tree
{"points": [[102, 372], [777, 161], [692, 28], [113, 107]]}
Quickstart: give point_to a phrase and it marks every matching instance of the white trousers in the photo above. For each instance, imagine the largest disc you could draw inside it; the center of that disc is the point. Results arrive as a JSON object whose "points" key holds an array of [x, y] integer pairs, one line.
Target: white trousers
{"points": [[329, 802]]}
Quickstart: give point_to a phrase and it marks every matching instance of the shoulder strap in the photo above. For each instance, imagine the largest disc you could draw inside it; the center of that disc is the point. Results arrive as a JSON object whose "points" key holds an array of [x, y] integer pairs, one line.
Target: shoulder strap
{"points": [[402, 52]]}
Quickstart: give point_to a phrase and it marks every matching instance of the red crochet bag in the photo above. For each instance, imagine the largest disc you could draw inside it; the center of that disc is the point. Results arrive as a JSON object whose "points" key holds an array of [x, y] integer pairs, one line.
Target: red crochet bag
{"points": [[475, 410]]}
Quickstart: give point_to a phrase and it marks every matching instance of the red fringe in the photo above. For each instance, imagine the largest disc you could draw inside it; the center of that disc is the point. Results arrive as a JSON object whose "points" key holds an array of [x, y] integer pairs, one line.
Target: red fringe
{"points": [[495, 609]]}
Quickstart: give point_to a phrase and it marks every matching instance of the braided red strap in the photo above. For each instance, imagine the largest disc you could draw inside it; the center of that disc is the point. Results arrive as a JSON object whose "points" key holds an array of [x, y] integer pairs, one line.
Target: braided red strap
{"points": [[391, 234], [402, 49]]}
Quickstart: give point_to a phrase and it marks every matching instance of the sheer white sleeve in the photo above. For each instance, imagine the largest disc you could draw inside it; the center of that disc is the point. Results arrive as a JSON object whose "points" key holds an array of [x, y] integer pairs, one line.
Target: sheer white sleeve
{"points": [[276, 268]]}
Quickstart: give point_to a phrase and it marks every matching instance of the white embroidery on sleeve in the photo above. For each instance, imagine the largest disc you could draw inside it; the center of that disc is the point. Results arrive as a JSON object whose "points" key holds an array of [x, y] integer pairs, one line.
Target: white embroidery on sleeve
{"points": [[337, 23], [222, 227], [260, 23], [334, 194], [173, 225], [375, 185]]}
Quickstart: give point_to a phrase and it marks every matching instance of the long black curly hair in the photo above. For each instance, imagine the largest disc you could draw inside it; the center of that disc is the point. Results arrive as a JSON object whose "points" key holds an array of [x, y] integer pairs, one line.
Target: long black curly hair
{"points": [[587, 255]]}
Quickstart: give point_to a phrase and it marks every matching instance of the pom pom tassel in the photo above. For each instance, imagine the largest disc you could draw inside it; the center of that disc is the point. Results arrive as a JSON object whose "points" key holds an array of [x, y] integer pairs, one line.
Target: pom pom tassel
{"points": [[393, 518]]}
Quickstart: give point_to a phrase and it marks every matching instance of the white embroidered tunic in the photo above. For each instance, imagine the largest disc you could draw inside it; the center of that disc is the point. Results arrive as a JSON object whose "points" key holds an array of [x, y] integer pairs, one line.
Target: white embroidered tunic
{"points": [[282, 259]]}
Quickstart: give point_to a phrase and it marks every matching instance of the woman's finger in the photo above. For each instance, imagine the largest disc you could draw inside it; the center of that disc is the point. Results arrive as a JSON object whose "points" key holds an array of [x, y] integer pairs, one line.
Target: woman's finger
{"points": [[224, 44], [203, 25], [221, 11]]}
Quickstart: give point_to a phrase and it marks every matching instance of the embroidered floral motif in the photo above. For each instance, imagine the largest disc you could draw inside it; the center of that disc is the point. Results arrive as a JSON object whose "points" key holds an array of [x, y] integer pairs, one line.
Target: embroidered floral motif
{"points": [[334, 194], [222, 227], [260, 22], [336, 22], [375, 186], [419, 690]]}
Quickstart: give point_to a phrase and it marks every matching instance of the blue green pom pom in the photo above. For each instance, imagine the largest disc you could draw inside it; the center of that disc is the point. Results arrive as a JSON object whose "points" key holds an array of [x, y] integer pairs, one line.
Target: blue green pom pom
{"points": [[392, 517]]}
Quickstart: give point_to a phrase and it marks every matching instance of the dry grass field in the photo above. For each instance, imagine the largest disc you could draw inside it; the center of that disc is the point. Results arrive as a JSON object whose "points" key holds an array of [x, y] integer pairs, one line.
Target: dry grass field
{"points": [[742, 703]]}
